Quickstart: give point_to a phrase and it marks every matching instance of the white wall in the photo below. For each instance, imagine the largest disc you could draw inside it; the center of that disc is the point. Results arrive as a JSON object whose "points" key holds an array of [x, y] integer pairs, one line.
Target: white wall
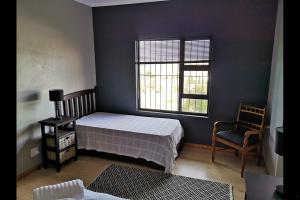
{"points": [[55, 49], [274, 162]]}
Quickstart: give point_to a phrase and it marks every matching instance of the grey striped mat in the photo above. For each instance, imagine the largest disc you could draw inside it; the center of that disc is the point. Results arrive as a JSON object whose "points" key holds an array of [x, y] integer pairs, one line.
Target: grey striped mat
{"points": [[133, 183]]}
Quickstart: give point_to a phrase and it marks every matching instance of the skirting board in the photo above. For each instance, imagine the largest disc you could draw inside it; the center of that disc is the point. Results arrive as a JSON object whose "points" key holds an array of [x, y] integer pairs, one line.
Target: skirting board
{"points": [[229, 150], [202, 146], [205, 146]]}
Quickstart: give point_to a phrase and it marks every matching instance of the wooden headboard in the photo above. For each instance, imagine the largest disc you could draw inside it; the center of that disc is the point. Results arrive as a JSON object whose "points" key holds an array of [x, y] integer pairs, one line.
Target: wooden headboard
{"points": [[80, 103]]}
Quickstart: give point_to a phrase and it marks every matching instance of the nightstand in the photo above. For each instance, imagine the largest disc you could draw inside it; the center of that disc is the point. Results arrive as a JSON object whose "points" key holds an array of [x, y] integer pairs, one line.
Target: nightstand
{"points": [[59, 143]]}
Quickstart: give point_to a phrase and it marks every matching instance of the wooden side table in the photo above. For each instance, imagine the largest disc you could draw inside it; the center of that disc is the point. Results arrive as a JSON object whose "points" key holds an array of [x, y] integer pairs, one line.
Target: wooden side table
{"points": [[59, 145], [261, 186]]}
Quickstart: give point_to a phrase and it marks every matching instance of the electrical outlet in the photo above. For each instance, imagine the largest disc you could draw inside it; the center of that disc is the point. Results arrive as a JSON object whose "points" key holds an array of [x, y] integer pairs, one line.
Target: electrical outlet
{"points": [[34, 151]]}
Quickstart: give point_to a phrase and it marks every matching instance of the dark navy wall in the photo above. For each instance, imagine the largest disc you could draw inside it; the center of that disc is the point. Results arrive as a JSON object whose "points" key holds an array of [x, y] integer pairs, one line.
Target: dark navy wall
{"points": [[242, 33]]}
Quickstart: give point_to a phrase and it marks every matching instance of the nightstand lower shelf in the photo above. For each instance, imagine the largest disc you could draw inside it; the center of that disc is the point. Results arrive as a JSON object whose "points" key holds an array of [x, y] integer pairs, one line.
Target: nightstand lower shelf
{"points": [[60, 144], [54, 150], [58, 167]]}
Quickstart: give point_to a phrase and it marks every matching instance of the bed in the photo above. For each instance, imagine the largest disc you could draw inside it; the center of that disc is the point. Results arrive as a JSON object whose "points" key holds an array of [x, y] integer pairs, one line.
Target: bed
{"points": [[153, 139]]}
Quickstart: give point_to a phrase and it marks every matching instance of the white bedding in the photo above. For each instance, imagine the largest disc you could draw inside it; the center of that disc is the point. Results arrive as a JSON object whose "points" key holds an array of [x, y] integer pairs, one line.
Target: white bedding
{"points": [[70, 190], [90, 195], [153, 139]]}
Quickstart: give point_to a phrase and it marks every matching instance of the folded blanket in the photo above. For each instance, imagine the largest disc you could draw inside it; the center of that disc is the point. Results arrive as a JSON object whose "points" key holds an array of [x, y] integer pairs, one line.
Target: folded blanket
{"points": [[71, 189]]}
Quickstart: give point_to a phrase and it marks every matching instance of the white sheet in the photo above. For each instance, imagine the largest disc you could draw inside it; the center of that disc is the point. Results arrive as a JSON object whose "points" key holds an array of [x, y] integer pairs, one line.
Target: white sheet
{"points": [[153, 139], [90, 195], [70, 189]]}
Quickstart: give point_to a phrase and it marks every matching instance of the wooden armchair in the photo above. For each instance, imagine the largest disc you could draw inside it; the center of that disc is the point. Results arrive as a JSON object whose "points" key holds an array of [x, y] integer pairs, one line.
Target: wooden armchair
{"points": [[244, 135]]}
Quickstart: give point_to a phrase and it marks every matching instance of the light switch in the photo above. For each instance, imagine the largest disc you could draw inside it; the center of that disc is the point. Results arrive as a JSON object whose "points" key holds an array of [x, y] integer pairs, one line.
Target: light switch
{"points": [[34, 151]]}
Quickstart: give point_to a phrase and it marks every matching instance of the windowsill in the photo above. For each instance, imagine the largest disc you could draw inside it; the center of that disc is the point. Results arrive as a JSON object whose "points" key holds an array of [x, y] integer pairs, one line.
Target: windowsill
{"points": [[176, 114]]}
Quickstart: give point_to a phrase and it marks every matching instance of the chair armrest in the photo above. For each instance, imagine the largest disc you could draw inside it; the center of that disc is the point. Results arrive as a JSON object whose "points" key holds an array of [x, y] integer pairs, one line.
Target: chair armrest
{"points": [[249, 133], [217, 123]]}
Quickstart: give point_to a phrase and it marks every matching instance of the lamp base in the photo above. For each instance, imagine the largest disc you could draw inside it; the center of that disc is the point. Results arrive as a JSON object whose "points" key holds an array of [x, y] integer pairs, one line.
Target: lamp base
{"points": [[58, 118], [279, 190], [57, 111]]}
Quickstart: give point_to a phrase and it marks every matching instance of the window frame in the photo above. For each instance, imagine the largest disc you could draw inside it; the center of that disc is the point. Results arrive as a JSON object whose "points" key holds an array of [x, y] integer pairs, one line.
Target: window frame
{"points": [[182, 69]]}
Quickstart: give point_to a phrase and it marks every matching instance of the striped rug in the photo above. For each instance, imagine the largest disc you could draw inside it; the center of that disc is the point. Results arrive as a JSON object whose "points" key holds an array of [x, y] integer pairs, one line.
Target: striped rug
{"points": [[133, 183]]}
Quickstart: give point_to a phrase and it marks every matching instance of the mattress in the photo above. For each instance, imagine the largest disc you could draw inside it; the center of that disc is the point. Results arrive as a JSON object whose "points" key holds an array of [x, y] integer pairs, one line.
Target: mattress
{"points": [[150, 138]]}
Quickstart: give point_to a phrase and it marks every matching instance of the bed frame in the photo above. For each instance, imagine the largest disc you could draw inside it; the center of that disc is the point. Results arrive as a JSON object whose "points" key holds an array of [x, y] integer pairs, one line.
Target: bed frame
{"points": [[81, 103]]}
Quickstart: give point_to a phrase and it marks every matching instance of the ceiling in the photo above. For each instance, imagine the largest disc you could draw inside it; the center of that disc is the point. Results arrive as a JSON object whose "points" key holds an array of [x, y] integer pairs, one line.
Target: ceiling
{"points": [[97, 3]]}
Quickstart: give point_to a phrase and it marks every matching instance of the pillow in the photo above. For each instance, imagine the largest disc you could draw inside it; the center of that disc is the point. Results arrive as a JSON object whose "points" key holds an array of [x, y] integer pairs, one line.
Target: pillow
{"points": [[68, 190]]}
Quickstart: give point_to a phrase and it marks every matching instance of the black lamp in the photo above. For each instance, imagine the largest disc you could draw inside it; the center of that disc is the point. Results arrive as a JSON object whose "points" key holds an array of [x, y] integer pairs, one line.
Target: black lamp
{"points": [[56, 95], [279, 151]]}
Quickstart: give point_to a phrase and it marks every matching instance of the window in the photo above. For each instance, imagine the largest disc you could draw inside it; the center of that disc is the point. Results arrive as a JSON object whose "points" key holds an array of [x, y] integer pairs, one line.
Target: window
{"points": [[173, 75]]}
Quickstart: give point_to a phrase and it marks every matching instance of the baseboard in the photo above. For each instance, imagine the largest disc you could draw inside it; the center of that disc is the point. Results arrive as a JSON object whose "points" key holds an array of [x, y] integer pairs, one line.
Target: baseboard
{"points": [[231, 150], [29, 171], [192, 145], [205, 146]]}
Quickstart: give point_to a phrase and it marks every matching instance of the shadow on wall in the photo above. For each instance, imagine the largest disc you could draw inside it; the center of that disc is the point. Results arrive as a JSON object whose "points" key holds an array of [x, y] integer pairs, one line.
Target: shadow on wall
{"points": [[28, 138], [268, 152], [29, 96]]}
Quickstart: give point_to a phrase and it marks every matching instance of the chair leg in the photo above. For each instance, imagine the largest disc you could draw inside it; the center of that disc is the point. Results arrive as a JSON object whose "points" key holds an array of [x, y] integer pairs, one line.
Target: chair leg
{"points": [[236, 153], [213, 149], [244, 152]]}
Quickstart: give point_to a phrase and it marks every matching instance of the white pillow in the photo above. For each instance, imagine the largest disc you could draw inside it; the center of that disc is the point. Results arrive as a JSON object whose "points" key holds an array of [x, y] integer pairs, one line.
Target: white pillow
{"points": [[68, 190]]}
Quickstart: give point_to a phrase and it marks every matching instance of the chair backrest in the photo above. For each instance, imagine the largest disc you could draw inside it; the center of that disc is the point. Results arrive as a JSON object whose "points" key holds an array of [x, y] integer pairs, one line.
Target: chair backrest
{"points": [[250, 118]]}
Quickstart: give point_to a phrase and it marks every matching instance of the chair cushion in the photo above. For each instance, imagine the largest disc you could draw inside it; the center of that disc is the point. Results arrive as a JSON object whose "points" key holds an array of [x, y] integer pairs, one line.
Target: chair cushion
{"points": [[237, 138]]}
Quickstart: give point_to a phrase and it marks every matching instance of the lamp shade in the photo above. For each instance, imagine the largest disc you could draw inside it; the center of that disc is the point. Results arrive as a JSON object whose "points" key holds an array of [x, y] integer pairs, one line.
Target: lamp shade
{"points": [[56, 95], [279, 141]]}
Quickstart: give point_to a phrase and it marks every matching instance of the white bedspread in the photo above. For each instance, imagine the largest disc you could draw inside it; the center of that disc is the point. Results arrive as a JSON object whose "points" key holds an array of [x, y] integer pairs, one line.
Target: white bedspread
{"points": [[153, 139]]}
